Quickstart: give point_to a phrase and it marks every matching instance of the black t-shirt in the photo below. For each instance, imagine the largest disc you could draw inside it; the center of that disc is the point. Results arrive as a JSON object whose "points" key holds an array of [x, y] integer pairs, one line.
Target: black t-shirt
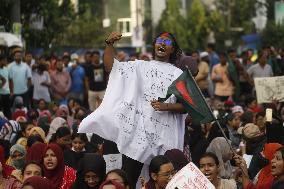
{"points": [[97, 76]]}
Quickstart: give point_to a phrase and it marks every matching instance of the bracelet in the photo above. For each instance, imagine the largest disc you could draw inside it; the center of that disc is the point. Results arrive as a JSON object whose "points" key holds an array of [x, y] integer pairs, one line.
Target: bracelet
{"points": [[109, 43]]}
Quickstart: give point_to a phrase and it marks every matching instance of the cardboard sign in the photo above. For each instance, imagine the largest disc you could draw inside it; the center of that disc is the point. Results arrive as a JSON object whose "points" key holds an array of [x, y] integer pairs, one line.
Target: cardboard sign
{"points": [[190, 177], [268, 88]]}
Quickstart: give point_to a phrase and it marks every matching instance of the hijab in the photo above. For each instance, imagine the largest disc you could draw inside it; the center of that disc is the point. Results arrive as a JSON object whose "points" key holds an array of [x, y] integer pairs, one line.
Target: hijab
{"points": [[221, 149], [54, 125], [19, 163], [40, 132], [36, 152], [265, 177], [37, 182], [90, 162], [9, 131], [55, 175]]}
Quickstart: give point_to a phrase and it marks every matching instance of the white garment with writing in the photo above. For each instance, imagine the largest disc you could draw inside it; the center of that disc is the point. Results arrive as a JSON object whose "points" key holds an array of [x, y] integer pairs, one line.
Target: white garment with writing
{"points": [[127, 117]]}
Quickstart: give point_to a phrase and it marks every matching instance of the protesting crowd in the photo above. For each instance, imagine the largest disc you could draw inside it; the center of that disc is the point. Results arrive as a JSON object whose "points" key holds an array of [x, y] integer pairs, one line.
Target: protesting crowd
{"points": [[63, 116]]}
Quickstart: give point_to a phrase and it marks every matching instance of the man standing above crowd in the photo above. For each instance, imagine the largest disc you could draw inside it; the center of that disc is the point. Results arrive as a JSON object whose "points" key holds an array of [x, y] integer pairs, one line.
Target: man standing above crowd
{"points": [[60, 82], [19, 78], [223, 85], [97, 80]]}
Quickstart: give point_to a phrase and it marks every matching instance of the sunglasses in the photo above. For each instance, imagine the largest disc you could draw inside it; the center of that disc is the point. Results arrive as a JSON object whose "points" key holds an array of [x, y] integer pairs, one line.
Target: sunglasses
{"points": [[167, 42]]}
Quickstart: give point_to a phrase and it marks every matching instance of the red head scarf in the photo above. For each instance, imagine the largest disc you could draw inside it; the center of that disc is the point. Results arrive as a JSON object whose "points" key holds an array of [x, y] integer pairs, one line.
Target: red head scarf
{"points": [[265, 177], [7, 170], [37, 182], [35, 152], [55, 175]]}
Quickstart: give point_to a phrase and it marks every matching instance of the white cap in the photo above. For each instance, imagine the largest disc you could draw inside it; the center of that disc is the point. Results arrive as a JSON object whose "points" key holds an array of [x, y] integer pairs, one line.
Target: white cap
{"points": [[204, 54], [74, 56], [236, 109]]}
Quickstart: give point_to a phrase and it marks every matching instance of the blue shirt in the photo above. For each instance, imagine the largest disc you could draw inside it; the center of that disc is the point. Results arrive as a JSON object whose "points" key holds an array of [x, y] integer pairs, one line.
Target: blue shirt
{"points": [[77, 76], [4, 72], [19, 74]]}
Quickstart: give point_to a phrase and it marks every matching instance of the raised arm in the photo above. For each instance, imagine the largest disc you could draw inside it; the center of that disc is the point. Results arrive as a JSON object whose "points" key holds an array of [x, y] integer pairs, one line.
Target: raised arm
{"points": [[109, 50]]}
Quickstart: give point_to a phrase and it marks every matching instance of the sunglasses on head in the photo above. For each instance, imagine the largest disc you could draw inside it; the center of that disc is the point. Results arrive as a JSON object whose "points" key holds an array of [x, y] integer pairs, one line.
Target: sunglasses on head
{"points": [[160, 40]]}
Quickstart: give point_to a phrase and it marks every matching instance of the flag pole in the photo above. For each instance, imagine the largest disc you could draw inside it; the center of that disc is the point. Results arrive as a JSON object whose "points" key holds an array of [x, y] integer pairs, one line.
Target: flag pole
{"points": [[218, 124]]}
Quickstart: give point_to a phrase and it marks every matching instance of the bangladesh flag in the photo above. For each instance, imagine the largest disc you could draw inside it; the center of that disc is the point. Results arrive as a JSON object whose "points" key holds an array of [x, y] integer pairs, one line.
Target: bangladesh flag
{"points": [[187, 92]]}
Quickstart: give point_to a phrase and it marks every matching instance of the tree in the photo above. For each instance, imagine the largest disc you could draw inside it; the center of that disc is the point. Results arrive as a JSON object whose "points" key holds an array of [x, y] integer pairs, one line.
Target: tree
{"points": [[56, 18], [172, 21], [197, 25], [273, 34]]}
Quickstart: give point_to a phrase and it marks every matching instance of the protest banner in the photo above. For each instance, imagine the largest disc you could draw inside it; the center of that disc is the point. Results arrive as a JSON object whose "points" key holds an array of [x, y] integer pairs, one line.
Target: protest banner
{"points": [[190, 177], [268, 88]]}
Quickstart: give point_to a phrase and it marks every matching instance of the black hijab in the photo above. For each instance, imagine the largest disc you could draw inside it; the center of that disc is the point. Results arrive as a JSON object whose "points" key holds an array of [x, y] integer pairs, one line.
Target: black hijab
{"points": [[90, 162]]}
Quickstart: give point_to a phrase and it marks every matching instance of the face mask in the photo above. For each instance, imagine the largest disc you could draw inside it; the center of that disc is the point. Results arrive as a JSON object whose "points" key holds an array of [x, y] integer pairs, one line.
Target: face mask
{"points": [[18, 164]]}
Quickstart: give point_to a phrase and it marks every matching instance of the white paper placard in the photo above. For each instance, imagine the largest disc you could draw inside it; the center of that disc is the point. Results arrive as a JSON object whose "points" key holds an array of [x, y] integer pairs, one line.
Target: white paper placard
{"points": [[268, 88], [190, 177], [113, 161]]}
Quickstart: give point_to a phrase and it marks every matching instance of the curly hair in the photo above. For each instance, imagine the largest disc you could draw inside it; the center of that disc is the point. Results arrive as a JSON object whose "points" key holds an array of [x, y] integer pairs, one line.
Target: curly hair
{"points": [[177, 52]]}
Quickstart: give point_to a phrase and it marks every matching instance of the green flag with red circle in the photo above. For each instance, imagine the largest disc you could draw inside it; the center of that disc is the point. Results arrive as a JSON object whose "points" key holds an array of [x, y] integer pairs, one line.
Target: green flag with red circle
{"points": [[187, 92]]}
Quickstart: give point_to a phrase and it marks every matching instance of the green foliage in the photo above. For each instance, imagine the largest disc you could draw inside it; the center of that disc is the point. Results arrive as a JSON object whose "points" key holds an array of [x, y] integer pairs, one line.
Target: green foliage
{"points": [[172, 21], [197, 25], [56, 20], [85, 31], [273, 35]]}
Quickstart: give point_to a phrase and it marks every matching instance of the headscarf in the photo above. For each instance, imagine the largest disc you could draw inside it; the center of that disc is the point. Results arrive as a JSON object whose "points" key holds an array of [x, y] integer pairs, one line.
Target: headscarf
{"points": [[177, 158], [265, 177], [62, 111], [55, 124], [55, 175], [221, 149], [90, 162], [36, 152], [39, 132], [6, 169], [37, 182], [112, 182], [9, 131], [43, 122], [19, 163]]}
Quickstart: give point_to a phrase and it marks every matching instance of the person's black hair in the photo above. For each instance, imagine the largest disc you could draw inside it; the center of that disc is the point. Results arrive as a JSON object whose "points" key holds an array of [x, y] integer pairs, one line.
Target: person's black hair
{"points": [[231, 50], [82, 136], [156, 164], [80, 117], [177, 52], [28, 52], [88, 52], [246, 117], [211, 155], [249, 100], [32, 115], [122, 174], [260, 114], [2, 57], [32, 162], [222, 54], [33, 139], [211, 46], [60, 132], [96, 53], [23, 126]]}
